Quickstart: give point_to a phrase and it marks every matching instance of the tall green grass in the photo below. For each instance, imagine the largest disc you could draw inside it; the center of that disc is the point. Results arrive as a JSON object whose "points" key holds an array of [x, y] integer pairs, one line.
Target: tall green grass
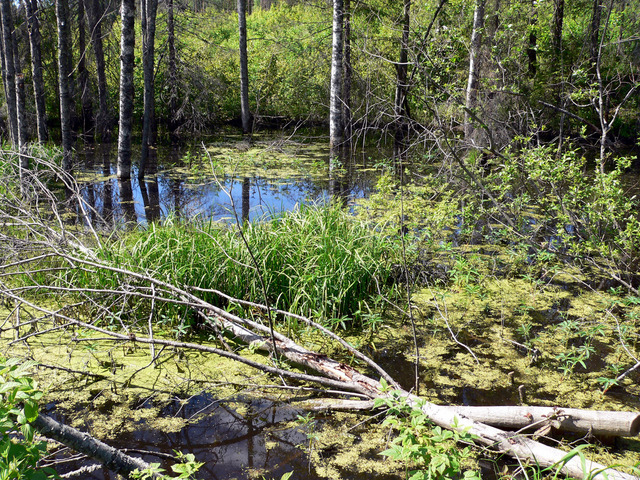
{"points": [[317, 261]]}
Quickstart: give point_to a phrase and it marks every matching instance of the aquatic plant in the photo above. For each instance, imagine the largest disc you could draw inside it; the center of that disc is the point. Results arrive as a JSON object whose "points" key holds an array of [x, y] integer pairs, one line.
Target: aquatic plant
{"points": [[316, 261]]}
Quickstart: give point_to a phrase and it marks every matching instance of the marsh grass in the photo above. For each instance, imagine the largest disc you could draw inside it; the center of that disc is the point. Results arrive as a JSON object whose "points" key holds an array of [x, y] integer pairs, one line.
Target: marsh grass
{"points": [[317, 261]]}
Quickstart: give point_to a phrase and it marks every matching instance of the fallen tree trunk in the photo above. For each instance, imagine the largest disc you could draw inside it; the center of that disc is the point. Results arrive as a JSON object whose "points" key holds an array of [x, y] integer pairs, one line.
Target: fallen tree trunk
{"points": [[608, 423], [110, 458]]}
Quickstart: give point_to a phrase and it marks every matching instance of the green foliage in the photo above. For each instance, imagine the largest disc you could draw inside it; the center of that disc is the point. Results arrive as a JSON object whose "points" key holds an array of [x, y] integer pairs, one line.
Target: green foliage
{"points": [[316, 261], [19, 451], [186, 468], [429, 451]]}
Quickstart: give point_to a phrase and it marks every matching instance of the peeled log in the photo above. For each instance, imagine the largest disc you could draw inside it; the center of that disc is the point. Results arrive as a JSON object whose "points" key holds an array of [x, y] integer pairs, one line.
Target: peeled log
{"points": [[111, 458], [608, 423]]}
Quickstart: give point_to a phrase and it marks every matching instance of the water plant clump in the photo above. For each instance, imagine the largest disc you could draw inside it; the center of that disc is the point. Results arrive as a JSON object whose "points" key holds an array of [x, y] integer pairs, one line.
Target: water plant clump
{"points": [[316, 261]]}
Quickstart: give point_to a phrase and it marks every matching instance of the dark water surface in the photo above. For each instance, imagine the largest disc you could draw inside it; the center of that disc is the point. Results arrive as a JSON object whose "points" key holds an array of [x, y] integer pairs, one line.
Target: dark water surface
{"points": [[234, 438], [180, 181]]}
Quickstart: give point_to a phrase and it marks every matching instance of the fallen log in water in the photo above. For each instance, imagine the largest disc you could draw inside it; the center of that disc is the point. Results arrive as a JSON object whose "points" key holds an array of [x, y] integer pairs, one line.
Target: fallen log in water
{"points": [[594, 422], [620, 424]]}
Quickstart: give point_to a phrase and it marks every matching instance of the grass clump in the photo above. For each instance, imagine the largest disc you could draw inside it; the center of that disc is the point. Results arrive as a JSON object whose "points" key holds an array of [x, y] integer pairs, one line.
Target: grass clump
{"points": [[316, 261]]}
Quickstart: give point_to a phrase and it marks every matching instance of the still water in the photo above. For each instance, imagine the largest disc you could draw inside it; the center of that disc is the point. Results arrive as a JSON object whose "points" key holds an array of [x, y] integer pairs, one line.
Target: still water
{"points": [[218, 181]]}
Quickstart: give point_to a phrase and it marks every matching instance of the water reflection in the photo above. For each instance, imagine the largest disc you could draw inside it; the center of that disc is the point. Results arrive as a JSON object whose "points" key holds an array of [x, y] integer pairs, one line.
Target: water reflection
{"points": [[176, 186], [231, 438]]}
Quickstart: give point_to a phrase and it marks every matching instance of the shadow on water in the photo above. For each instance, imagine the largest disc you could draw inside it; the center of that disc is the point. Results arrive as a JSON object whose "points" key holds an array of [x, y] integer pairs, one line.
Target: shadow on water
{"points": [[181, 184], [234, 438]]}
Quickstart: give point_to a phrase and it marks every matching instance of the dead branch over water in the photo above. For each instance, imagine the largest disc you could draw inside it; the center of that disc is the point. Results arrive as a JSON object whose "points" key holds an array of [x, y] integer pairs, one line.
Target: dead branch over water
{"points": [[41, 232]]}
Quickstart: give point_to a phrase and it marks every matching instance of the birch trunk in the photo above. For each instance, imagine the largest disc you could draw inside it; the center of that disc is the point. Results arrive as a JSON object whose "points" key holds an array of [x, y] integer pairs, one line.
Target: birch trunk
{"points": [[173, 78], [9, 73], [35, 40], [94, 13], [148, 17], [21, 102], [83, 74], [400, 109], [474, 68], [127, 44], [336, 127], [348, 75], [244, 67], [64, 80]]}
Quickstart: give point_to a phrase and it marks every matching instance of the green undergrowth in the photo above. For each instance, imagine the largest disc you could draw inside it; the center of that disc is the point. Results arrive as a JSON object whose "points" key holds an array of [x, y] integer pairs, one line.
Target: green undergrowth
{"points": [[316, 261]]}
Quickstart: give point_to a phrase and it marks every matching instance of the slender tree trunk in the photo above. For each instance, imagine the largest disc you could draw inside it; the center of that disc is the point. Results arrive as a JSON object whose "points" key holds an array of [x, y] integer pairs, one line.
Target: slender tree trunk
{"points": [[173, 78], [83, 74], [336, 127], [127, 44], [9, 73], [95, 11], [64, 80], [265, 4], [594, 30], [532, 49], [148, 15], [21, 102], [348, 74], [400, 108], [474, 67], [244, 68], [35, 39], [556, 32]]}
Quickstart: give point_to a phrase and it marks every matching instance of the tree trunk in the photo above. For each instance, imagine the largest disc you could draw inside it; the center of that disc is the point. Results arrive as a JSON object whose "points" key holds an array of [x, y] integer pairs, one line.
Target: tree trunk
{"points": [[336, 127], [244, 68], [474, 68], [173, 79], [111, 458], [21, 102], [9, 70], [95, 11], [148, 17], [400, 109], [265, 4], [556, 31], [348, 75], [127, 44], [532, 49], [83, 74], [35, 40], [64, 80], [594, 30]]}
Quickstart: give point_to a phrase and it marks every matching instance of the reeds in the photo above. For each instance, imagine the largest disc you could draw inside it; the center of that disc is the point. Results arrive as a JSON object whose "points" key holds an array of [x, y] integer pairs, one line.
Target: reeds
{"points": [[316, 261]]}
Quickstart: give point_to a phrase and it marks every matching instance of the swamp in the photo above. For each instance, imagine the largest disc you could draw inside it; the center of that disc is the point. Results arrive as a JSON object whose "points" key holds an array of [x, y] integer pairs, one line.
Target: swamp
{"points": [[320, 239]]}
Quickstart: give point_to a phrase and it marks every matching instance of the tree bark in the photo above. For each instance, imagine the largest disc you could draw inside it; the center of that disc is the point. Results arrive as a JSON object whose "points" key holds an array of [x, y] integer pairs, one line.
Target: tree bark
{"points": [[474, 68], [83, 74], [606, 423], [594, 30], [348, 75], [110, 458], [148, 17], [20, 103], [265, 4], [336, 126], [173, 78], [9, 71], [35, 40], [556, 31], [400, 107], [64, 80], [127, 44], [95, 11], [244, 67], [532, 49]]}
